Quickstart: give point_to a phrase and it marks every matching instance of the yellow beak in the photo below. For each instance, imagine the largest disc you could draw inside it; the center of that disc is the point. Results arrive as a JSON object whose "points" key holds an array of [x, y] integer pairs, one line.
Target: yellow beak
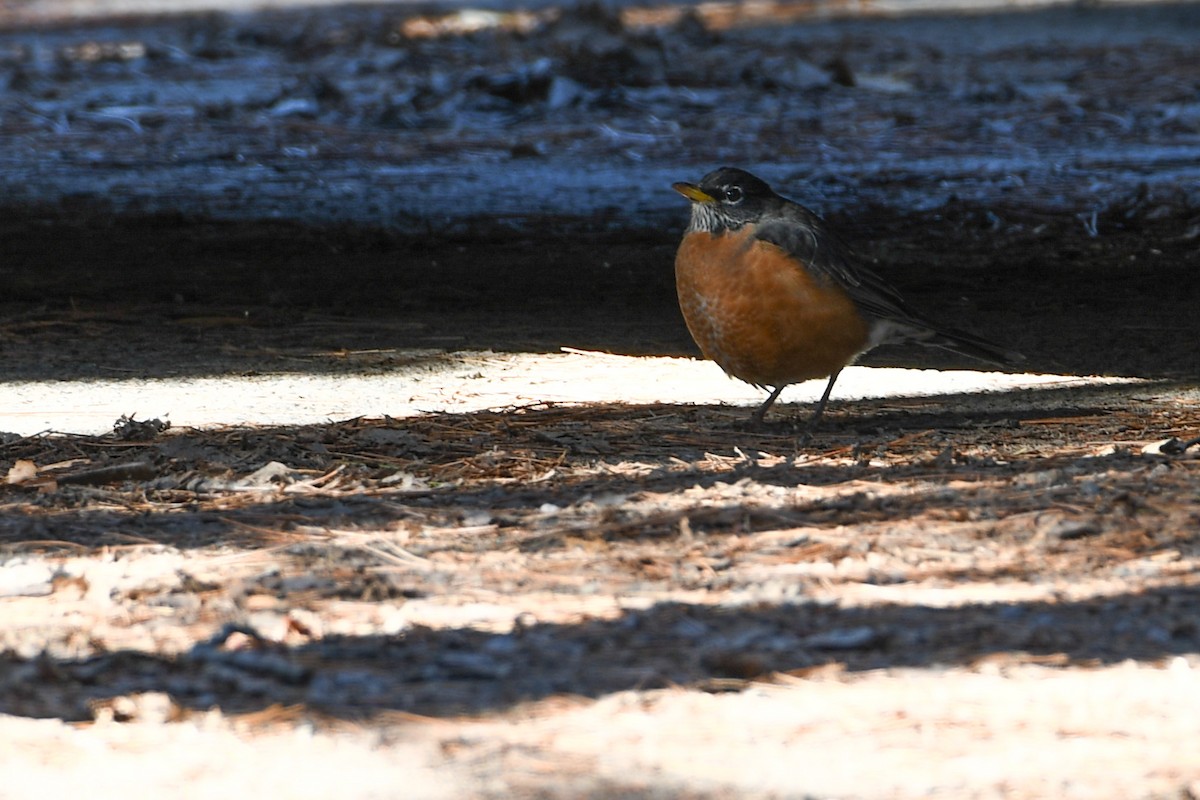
{"points": [[693, 192]]}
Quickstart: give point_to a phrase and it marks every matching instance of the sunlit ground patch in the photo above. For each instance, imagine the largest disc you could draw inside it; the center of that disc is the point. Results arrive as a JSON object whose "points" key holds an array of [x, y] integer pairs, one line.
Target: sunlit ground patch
{"points": [[468, 382]]}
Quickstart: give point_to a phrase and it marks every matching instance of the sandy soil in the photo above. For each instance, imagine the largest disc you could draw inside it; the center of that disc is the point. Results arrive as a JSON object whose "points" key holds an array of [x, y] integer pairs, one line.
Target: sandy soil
{"points": [[397, 543]]}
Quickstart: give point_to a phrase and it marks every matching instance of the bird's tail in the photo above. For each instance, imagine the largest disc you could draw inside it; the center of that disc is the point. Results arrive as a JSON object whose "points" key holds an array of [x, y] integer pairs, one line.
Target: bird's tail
{"points": [[968, 344]]}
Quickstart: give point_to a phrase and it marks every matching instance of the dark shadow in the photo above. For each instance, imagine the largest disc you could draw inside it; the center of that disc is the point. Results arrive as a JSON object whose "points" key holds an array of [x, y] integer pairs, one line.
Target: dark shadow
{"points": [[260, 298], [464, 671]]}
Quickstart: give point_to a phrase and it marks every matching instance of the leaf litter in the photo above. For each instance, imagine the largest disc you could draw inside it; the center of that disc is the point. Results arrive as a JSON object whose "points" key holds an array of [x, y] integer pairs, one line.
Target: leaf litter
{"points": [[474, 564]]}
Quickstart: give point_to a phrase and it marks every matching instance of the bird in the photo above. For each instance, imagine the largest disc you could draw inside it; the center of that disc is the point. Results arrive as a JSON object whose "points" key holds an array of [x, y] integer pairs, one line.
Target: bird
{"points": [[772, 294]]}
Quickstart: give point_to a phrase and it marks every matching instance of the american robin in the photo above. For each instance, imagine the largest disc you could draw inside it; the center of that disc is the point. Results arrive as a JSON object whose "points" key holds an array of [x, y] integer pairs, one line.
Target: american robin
{"points": [[772, 295]]}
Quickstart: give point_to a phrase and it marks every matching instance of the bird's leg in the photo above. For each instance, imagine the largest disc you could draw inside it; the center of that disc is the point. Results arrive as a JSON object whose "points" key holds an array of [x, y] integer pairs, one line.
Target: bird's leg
{"points": [[820, 409], [757, 419]]}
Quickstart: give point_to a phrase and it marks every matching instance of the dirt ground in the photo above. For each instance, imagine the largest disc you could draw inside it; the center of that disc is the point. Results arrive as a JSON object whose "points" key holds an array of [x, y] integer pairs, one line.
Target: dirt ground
{"points": [[966, 595]]}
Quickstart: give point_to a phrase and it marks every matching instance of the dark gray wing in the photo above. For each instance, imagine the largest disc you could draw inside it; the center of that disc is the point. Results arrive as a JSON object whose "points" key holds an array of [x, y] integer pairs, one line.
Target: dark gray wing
{"points": [[806, 237]]}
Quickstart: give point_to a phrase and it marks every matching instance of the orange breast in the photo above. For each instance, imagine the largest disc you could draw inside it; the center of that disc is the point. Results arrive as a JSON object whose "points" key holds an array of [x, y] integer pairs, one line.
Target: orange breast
{"points": [[761, 317]]}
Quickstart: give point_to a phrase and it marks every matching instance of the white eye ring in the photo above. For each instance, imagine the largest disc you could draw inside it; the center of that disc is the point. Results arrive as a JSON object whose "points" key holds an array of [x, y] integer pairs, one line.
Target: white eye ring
{"points": [[733, 195]]}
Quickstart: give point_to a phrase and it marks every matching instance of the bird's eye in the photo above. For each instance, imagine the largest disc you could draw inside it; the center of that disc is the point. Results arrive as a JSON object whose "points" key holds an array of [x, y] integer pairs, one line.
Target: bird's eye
{"points": [[733, 195]]}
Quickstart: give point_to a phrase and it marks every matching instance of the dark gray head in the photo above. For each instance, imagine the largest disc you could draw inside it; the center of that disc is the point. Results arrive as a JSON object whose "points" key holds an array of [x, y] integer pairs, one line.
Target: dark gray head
{"points": [[727, 199]]}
